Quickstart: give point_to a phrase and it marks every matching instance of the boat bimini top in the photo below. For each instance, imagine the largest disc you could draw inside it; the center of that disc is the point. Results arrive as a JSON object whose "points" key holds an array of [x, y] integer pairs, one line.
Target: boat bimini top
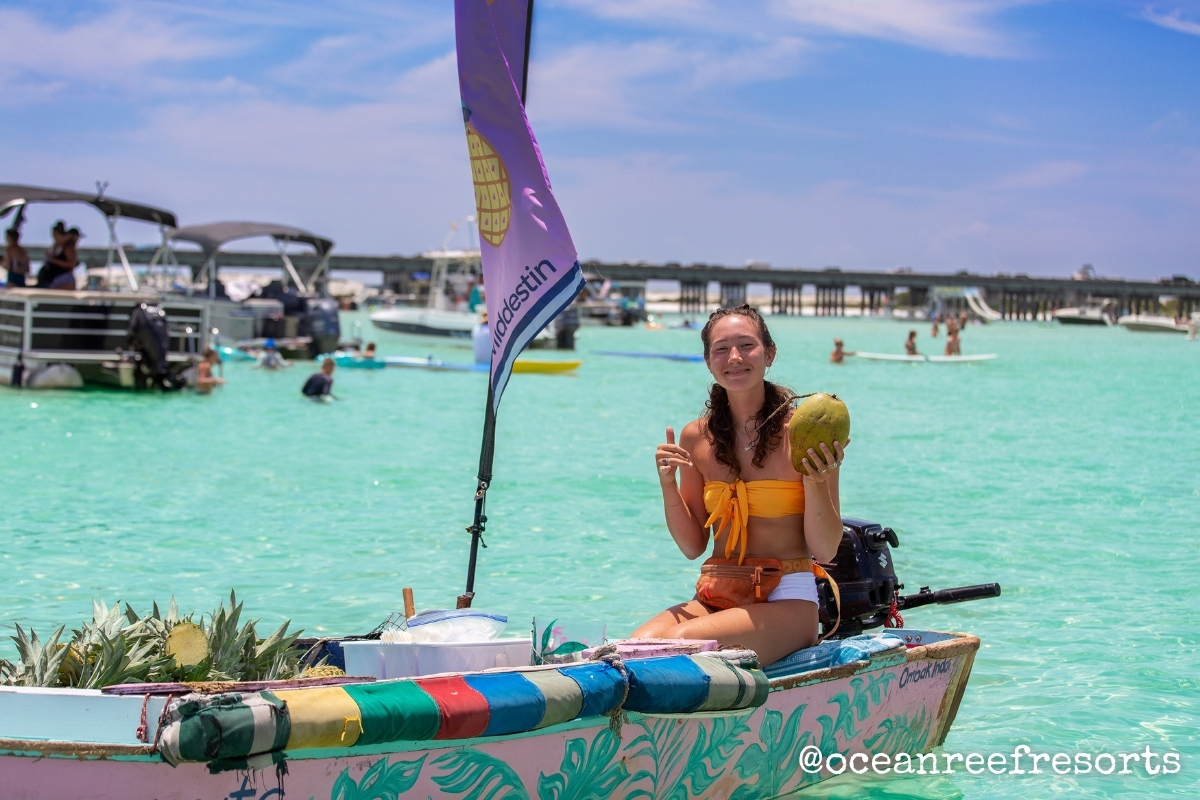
{"points": [[15, 196], [212, 236]]}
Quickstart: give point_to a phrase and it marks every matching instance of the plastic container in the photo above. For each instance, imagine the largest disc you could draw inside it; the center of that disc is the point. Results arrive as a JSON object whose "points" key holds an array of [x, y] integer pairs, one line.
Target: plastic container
{"points": [[412, 659]]}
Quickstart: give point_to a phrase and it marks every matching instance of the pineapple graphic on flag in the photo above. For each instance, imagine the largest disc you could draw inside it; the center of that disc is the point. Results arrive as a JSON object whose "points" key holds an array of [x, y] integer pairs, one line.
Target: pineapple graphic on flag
{"points": [[530, 266]]}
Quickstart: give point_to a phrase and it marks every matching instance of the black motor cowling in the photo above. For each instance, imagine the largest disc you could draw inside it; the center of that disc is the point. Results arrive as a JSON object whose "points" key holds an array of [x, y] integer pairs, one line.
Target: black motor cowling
{"points": [[149, 337], [320, 322], [867, 582]]}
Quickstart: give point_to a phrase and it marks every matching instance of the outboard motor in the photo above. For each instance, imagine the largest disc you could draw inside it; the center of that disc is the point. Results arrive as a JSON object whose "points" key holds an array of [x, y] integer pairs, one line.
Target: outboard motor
{"points": [[565, 327], [149, 336], [866, 579], [320, 322]]}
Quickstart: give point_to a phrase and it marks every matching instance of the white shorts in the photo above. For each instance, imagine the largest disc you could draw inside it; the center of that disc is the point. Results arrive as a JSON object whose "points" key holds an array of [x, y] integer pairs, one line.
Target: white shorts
{"points": [[795, 586]]}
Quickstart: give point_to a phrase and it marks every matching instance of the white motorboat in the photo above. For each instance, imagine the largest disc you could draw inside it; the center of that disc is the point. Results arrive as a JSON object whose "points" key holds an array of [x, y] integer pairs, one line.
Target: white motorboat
{"points": [[453, 279], [1152, 323], [454, 275], [1096, 312]]}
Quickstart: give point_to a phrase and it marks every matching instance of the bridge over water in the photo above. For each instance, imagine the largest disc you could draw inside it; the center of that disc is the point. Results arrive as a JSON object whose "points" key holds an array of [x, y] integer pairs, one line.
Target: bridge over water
{"points": [[1013, 296]]}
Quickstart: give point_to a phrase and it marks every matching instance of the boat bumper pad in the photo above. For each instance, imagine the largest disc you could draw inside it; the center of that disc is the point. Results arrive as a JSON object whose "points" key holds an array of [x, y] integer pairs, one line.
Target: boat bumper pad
{"points": [[236, 726]]}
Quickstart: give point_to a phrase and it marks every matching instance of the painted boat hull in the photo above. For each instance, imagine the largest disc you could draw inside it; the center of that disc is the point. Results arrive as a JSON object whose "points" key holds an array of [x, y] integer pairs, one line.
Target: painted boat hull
{"points": [[899, 702]]}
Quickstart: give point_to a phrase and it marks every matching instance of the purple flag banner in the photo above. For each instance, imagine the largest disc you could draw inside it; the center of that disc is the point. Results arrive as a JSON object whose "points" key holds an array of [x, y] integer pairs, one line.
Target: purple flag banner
{"points": [[530, 266]]}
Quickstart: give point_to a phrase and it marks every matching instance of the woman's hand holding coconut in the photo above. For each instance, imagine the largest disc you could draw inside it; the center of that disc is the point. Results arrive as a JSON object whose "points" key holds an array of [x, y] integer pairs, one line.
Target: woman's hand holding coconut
{"points": [[816, 468]]}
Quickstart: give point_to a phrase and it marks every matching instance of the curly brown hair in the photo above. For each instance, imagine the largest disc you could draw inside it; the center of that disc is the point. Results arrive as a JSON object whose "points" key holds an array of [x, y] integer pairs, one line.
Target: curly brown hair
{"points": [[721, 430]]}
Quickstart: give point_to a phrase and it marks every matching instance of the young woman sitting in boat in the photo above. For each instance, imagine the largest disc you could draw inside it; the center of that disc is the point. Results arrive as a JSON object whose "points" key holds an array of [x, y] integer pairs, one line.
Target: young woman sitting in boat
{"points": [[736, 480]]}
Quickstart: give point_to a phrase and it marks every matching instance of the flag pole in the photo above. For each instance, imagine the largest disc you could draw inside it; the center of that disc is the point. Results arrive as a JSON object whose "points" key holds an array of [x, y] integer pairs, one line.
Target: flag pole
{"points": [[488, 448]]}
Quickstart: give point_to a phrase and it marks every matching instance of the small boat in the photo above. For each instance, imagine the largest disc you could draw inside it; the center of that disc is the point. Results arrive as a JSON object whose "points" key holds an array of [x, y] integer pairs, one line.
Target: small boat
{"points": [[920, 359], [521, 365], [633, 719], [1095, 313], [1152, 323], [718, 727], [302, 322], [667, 356]]}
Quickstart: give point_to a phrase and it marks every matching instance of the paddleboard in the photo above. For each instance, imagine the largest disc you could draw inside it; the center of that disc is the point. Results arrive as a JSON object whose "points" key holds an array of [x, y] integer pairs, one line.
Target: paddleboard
{"points": [[353, 362], [923, 359], [228, 353], [432, 363], [667, 356], [544, 367], [521, 365]]}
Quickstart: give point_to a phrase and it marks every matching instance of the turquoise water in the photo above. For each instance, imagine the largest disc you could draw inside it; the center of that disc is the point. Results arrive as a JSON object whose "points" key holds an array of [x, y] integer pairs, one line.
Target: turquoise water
{"points": [[1068, 471]]}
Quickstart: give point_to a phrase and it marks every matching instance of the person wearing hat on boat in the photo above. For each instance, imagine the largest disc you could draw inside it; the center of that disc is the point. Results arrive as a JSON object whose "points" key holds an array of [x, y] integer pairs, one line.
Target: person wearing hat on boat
{"points": [[55, 262], [270, 358], [16, 258], [320, 384], [737, 484]]}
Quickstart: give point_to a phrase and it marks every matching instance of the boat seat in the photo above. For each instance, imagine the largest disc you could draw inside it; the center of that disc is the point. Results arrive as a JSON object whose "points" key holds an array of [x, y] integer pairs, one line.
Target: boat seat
{"points": [[834, 652]]}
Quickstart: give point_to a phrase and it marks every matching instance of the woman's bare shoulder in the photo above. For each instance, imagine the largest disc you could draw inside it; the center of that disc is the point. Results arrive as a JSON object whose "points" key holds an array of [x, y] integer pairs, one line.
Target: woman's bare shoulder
{"points": [[692, 432]]}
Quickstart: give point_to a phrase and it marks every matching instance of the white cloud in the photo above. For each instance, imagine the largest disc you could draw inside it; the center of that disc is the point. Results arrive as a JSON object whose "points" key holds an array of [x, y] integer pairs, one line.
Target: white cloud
{"points": [[1173, 20], [958, 27], [1044, 176], [120, 48]]}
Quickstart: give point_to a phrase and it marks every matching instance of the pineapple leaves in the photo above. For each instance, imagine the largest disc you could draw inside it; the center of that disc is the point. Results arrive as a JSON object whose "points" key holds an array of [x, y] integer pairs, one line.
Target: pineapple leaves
{"points": [[119, 646]]}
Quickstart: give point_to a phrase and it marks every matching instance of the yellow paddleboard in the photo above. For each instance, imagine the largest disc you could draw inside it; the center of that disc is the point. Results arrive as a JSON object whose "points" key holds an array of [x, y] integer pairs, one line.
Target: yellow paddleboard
{"points": [[523, 365]]}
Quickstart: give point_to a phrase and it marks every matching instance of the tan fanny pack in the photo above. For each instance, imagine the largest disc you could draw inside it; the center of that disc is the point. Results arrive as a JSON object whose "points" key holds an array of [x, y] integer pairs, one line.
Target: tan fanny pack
{"points": [[726, 584]]}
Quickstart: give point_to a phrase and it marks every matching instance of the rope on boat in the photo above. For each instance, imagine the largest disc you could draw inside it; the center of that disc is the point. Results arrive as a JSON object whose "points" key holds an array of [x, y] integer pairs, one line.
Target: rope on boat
{"points": [[609, 655], [894, 620], [143, 735]]}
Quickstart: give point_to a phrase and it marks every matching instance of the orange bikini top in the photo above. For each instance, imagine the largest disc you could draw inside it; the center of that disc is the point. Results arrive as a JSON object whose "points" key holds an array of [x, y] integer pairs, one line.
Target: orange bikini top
{"points": [[730, 506]]}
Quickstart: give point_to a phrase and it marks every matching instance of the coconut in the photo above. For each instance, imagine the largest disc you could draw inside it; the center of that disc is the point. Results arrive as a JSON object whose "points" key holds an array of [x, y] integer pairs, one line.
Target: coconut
{"points": [[820, 419], [187, 644]]}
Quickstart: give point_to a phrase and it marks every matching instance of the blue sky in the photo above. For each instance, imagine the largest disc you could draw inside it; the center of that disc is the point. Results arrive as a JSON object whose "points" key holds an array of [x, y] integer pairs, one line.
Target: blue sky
{"points": [[989, 135]]}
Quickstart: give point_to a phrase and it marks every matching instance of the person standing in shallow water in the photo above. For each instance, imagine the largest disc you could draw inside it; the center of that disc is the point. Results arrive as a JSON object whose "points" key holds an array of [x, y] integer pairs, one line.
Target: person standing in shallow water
{"points": [[740, 447], [205, 380], [838, 356], [320, 384]]}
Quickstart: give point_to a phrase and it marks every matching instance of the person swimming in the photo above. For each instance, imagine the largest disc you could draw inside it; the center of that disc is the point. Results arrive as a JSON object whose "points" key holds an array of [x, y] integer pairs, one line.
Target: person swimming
{"points": [[270, 357], [838, 356], [736, 482], [910, 344]]}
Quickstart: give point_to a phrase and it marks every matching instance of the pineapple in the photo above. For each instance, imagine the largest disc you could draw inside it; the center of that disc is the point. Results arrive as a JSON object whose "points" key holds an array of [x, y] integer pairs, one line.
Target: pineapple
{"points": [[493, 188], [323, 671], [186, 644]]}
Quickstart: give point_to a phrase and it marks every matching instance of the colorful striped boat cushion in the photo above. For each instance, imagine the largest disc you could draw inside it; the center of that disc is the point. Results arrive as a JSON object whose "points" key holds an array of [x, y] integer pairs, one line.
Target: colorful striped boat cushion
{"points": [[682, 684], [223, 726], [238, 726]]}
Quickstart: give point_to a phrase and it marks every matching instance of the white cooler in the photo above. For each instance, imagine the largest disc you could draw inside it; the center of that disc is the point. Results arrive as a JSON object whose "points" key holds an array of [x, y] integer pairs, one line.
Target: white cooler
{"points": [[413, 659]]}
